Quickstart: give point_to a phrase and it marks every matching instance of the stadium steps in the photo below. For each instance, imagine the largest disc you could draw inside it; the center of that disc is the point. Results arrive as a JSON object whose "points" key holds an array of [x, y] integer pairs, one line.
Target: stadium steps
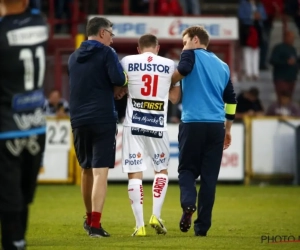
{"points": [[217, 7], [265, 82], [114, 7]]}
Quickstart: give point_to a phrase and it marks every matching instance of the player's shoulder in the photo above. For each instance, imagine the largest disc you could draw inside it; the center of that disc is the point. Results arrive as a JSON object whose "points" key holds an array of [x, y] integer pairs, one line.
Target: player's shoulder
{"points": [[224, 64], [30, 17], [165, 60], [27, 28], [216, 58], [131, 58]]}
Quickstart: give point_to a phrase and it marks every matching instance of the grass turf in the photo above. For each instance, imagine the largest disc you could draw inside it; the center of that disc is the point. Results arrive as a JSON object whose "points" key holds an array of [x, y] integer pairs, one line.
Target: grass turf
{"points": [[241, 216]]}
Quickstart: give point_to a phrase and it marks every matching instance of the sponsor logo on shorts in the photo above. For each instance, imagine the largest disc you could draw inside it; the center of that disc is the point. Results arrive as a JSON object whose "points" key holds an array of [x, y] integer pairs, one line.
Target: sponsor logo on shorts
{"points": [[159, 158], [148, 105], [148, 119], [134, 159], [146, 132]]}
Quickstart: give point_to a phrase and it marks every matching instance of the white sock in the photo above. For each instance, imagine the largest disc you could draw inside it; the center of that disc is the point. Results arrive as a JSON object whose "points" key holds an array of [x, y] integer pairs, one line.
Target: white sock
{"points": [[136, 196], [159, 190]]}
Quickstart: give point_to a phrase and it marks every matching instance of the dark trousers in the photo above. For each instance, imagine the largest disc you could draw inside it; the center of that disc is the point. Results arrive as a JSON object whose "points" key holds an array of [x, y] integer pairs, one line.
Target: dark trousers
{"points": [[19, 170], [297, 22], [284, 87], [200, 154], [264, 46]]}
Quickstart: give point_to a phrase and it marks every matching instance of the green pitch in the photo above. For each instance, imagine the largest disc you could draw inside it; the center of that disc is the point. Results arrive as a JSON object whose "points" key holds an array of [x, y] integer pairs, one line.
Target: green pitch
{"points": [[241, 216]]}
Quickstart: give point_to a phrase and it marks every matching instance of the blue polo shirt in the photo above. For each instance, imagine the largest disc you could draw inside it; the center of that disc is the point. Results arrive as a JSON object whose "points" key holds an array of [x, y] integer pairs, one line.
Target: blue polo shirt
{"points": [[206, 86]]}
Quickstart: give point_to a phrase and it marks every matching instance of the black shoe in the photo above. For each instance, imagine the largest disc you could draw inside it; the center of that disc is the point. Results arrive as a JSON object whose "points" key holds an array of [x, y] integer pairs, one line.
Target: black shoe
{"points": [[200, 234], [98, 232], [186, 218], [86, 227]]}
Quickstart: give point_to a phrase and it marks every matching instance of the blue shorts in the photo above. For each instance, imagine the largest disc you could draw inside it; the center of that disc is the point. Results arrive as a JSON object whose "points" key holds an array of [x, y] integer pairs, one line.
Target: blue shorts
{"points": [[95, 145]]}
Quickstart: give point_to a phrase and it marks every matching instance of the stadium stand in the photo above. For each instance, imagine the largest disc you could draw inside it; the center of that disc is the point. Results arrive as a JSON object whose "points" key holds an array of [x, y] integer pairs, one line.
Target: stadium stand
{"points": [[64, 40]]}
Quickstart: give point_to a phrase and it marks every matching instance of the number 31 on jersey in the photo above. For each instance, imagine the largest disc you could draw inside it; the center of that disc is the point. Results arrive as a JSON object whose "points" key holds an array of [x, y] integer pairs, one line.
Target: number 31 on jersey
{"points": [[150, 85]]}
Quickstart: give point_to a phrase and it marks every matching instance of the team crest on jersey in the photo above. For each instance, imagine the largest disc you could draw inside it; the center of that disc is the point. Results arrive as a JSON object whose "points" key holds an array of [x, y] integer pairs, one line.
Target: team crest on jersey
{"points": [[150, 58], [148, 105], [148, 119], [147, 132]]}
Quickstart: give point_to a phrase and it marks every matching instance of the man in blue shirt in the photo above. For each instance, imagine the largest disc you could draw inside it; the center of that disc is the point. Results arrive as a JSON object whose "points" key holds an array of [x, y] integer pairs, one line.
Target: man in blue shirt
{"points": [[94, 71], [206, 87]]}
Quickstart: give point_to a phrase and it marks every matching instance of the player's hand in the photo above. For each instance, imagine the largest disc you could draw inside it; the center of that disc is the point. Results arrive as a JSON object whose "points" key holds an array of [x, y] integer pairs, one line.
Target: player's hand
{"points": [[227, 140], [120, 92], [250, 113], [292, 61], [60, 113]]}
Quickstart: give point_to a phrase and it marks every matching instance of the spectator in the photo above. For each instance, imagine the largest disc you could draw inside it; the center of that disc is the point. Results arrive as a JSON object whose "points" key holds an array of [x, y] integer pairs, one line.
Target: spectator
{"points": [[139, 6], [169, 8], [190, 7], [251, 14], [292, 8], [62, 11], [248, 104], [35, 4], [273, 8], [285, 66], [284, 107], [55, 105]]}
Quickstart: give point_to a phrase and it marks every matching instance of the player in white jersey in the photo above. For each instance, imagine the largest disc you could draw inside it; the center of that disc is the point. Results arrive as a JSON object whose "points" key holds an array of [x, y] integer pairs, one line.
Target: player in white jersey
{"points": [[145, 137]]}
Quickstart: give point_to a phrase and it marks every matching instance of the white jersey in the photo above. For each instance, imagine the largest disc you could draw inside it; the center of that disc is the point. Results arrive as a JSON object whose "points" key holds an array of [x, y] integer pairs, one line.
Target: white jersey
{"points": [[149, 80]]}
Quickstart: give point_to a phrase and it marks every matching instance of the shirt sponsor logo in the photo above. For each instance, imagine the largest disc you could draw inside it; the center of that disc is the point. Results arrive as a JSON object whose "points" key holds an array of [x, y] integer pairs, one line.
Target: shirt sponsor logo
{"points": [[27, 36], [28, 101], [26, 121], [153, 120], [148, 67], [148, 105], [146, 132], [134, 159]]}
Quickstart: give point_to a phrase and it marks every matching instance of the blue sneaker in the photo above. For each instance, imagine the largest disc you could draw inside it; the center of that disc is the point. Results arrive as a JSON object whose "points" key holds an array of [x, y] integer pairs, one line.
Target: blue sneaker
{"points": [[186, 218]]}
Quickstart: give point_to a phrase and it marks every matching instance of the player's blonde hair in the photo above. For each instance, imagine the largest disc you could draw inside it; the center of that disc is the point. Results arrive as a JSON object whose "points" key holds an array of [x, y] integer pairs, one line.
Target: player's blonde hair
{"points": [[198, 31]]}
